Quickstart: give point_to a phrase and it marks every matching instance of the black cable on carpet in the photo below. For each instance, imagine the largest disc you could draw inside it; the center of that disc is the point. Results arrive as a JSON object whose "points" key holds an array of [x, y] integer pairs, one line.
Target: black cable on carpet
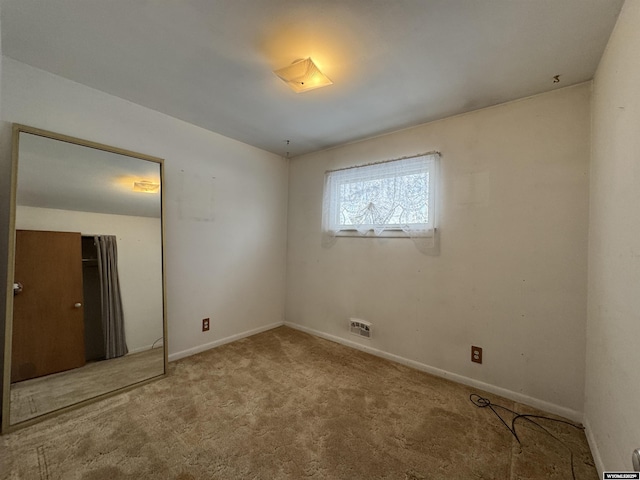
{"points": [[482, 402]]}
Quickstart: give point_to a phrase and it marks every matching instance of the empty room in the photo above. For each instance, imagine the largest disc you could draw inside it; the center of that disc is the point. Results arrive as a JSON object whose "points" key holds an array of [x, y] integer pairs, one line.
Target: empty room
{"points": [[355, 239]]}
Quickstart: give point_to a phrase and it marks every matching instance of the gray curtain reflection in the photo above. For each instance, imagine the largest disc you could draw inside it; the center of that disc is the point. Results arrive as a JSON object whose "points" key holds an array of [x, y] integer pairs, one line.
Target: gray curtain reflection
{"points": [[112, 316]]}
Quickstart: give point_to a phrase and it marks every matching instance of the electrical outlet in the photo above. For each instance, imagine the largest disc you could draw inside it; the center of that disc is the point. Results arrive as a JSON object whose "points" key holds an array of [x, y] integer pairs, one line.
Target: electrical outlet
{"points": [[476, 354], [205, 324]]}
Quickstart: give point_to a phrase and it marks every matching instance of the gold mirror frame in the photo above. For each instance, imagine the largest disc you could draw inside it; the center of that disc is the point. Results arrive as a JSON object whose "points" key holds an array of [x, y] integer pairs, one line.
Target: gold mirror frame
{"points": [[6, 387]]}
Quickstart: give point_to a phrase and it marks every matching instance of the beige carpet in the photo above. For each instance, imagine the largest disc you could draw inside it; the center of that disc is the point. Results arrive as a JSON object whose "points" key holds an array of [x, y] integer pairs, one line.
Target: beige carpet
{"points": [[286, 405], [35, 397]]}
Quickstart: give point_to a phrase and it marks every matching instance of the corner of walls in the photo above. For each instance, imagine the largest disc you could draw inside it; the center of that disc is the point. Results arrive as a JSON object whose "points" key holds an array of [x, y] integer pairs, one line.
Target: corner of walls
{"points": [[222, 341], [285, 279]]}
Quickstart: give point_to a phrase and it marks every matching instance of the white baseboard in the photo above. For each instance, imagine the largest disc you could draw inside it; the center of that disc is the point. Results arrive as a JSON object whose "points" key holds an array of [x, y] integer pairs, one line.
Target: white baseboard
{"points": [[569, 413], [207, 346], [593, 445]]}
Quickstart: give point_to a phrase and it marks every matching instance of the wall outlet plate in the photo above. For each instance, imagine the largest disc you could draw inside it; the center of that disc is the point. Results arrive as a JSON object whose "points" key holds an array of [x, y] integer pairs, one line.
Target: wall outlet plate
{"points": [[476, 354], [205, 324]]}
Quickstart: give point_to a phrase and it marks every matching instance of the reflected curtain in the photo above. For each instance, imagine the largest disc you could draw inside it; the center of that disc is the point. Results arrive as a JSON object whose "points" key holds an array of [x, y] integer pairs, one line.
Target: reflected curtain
{"points": [[112, 315]]}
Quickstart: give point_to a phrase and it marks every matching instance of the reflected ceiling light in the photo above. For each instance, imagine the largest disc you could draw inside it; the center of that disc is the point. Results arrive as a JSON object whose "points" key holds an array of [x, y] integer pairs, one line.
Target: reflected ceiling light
{"points": [[303, 75], [146, 186]]}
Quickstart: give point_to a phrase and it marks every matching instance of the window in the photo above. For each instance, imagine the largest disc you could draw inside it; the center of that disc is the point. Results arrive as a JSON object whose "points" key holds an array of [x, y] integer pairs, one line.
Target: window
{"points": [[383, 199]]}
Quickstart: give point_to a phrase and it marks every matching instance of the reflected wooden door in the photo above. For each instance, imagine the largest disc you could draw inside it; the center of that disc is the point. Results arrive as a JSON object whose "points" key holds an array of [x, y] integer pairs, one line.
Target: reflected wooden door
{"points": [[48, 324]]}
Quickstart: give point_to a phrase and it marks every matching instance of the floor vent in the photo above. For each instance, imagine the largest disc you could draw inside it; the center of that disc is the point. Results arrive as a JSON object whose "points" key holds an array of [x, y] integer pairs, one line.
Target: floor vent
{"points": [[361, 328]]}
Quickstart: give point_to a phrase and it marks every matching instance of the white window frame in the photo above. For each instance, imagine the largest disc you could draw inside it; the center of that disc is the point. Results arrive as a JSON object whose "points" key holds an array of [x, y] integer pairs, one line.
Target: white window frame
{"points": [[423, 163]]}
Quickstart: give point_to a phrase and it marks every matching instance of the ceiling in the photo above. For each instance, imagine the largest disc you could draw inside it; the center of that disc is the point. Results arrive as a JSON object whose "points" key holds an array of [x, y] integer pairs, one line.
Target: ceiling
{"points": [[66, 176], [394, 63]]}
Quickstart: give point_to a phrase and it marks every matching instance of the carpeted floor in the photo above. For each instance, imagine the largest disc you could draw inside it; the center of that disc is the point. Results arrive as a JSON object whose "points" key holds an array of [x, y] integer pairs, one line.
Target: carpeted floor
{"points": [[37, 396], [287, 405]]}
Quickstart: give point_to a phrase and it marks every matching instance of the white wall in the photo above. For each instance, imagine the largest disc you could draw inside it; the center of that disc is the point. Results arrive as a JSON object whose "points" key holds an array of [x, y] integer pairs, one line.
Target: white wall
{"points": [[511, 275], [613, 356], [139, 262], [225, 236]]}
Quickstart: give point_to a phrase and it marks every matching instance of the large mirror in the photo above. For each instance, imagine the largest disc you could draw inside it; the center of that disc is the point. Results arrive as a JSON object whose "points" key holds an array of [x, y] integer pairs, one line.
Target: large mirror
{"points": [[85, 311]]}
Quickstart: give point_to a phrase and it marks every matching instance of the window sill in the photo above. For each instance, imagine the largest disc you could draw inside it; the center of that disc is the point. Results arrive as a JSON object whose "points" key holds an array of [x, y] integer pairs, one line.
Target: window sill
{"points": [[385, 234]]}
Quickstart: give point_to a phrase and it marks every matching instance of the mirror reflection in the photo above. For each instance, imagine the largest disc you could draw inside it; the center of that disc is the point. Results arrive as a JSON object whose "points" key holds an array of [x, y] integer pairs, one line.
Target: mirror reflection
{"points": [[88, 288]]}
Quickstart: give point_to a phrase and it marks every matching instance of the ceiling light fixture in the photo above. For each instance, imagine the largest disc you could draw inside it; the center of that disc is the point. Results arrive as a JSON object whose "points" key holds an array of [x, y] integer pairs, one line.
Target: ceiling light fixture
{"points": [[146, 186], [303, 75]]}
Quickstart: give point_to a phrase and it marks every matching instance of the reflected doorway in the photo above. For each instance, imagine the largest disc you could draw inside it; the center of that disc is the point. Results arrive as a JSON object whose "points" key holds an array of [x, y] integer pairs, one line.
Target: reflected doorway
{"points": [[93, 329]]}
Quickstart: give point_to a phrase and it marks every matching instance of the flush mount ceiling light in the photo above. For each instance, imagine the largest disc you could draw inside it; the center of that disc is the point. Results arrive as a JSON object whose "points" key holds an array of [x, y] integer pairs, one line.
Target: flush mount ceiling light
{"points": [[303, 75], [146, 186]]}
